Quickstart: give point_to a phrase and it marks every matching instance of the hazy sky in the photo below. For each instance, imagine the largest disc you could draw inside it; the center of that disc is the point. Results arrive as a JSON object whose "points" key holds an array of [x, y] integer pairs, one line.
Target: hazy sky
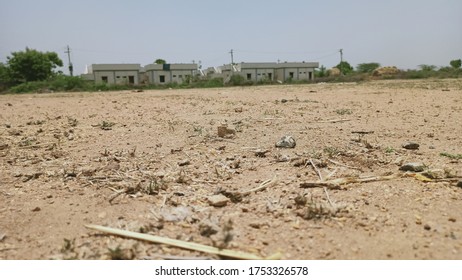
{"points": [[404, 33]]}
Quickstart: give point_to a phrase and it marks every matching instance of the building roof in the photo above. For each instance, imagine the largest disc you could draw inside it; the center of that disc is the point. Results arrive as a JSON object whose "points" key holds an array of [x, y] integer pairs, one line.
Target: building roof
{"points": [[176, 66], [114, 67]]}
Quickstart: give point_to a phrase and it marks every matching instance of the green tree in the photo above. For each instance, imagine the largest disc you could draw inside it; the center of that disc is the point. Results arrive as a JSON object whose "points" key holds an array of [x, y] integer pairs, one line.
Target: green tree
{"points": [[5, 80], [160, 61], [32, 65], [321, 72], [427, 67], [456, 63], [367, 67], [344, 67]]}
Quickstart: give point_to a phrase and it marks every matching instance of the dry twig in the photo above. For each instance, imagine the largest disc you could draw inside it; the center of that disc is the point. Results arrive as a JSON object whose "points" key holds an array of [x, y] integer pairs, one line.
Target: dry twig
{"points": [[181, 244], [336, 183]]}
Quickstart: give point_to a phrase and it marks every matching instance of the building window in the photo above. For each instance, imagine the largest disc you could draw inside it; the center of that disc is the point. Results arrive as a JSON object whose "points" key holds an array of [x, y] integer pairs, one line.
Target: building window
{"points": [[104, 79], [118, 77], [162, 78], [249, 76], [180, 76], [174, 76]]}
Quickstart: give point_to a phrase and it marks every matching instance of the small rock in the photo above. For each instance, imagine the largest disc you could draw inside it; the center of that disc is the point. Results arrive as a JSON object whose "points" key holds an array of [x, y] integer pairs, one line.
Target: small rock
{"points": [[283, 100], [224, 131], [411, 146], [427, 227], [102, 215], [261, 153], [412, 166], [286, 142], [218, 200], [459, 184], [184, 162], [3, 146], [36, 209], [207, 228], [14, 132], [238, 110]]}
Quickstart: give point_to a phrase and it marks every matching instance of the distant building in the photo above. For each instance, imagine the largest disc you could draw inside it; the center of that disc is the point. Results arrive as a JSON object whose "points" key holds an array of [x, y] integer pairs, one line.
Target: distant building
{"points": [[297, 71], [134, 74], [114, 74], [169, 73]]}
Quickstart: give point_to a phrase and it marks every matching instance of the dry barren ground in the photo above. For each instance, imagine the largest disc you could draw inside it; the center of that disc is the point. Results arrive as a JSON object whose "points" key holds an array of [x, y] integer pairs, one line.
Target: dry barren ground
{"points": [[157, 162]]}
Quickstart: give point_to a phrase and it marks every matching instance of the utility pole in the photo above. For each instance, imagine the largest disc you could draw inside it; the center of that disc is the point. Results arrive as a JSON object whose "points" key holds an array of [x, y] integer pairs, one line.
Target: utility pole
{"points": [[71, 68], [232, 60], [232, 56], [341, 55]]}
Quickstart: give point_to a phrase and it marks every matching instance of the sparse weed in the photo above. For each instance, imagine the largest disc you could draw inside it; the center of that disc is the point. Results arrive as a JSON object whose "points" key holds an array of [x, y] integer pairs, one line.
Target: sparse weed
{"points": [[451, 156], [389, 150], [331, 151], [344, 111]]}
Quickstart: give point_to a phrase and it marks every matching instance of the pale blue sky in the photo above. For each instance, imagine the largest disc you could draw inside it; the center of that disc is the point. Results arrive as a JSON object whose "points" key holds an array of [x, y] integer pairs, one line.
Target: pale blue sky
{"points": [[405, 33]]}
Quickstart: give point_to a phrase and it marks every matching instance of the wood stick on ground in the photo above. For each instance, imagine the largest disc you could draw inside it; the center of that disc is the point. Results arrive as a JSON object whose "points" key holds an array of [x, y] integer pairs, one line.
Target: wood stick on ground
{"points": [[336, 183], [321, 179], [334, 121], [180, 243], [262, 186]]}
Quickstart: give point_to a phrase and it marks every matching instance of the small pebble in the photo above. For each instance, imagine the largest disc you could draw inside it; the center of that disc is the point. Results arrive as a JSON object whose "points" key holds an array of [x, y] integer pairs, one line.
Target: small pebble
{"points": [[36, 209], [411, 146], [218, 200], [286, 142], [412, 166], [427, 227]]}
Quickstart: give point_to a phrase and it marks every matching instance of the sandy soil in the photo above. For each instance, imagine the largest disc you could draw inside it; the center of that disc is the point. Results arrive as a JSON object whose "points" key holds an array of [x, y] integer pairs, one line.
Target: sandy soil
{"points": [[153, 162]]}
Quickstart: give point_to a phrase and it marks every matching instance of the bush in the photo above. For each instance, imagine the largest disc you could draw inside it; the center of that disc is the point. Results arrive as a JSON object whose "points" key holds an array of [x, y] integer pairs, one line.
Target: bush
{"points": [[237, 80]]}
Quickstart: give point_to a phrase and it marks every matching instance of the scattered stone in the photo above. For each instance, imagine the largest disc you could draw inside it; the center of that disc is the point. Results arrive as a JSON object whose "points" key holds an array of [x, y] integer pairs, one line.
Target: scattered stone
{"points": [[283, 100], [427, 227], [413, 166], [14, 132], [238, 110], [36, 209], [207, 228], [218, 200], [411, 146], [184, 162], [7, 125], [261, 153], [224, 131], [452, 219], [459, 184], [286, 141], [3, 146]]}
